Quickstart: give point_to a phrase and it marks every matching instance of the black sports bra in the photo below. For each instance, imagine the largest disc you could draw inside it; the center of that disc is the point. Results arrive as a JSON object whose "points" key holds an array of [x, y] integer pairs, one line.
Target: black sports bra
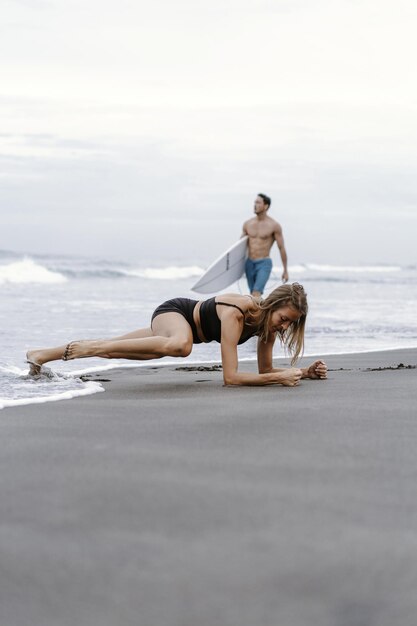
{"points": [[211, 325]]}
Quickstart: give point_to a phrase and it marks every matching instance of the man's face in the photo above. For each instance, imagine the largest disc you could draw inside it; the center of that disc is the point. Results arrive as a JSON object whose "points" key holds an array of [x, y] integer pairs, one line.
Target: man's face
{"points": [[260, 206]]}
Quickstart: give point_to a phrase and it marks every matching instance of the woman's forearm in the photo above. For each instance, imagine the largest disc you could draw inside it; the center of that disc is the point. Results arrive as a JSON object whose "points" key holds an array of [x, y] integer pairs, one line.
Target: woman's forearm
{"points": [[273, 370], [289, 377], [304, 371], [251, 379]]}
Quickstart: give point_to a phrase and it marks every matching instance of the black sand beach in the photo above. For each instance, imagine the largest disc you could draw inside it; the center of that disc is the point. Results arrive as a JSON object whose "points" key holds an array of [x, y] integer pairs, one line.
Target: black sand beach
{"points": [[171, 500]]}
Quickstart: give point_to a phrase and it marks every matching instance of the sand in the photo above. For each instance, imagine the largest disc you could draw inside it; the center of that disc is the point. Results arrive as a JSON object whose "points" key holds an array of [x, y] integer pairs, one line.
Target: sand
{"points": [[170, 500]]}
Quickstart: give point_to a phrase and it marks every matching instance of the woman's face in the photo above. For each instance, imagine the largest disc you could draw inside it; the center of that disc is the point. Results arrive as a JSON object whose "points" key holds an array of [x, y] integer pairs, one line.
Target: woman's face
{"points": [[282, 318]]}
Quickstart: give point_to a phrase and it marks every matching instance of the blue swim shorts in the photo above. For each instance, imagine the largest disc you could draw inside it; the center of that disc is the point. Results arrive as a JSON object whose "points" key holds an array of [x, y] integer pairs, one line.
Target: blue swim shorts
{"points": [[257, 273]]}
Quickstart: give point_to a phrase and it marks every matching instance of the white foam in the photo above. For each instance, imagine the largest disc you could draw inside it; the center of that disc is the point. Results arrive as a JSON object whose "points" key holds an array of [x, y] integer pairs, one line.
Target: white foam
{"points": [[27, 271], [89, 388]]}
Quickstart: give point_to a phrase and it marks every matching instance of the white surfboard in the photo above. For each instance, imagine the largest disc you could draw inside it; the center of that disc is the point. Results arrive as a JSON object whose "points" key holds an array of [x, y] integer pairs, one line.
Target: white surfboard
{"points": [[225, 270]]}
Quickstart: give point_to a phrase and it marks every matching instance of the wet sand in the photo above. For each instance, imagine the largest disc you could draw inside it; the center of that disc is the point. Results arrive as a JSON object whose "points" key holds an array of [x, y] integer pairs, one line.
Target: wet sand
{"points": [[171, 500]]}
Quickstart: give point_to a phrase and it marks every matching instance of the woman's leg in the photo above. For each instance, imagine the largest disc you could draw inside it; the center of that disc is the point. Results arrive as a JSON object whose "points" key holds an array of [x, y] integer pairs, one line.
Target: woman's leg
{"points": [[171, 335], [39, 357]]}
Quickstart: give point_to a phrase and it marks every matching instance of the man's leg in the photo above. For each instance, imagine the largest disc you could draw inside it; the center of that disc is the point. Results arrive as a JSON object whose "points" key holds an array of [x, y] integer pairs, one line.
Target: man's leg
{"points": [[250, 274], [263, 272]]}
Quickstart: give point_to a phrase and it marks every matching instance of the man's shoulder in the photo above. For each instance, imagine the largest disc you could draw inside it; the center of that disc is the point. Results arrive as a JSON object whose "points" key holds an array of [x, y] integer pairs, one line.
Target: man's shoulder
{"points": [[249, 222], [274, 224]]}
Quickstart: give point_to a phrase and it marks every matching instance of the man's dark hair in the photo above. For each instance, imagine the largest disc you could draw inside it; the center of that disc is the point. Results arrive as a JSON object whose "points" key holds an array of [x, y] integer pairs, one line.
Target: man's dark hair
{"points": [[266, 199]]}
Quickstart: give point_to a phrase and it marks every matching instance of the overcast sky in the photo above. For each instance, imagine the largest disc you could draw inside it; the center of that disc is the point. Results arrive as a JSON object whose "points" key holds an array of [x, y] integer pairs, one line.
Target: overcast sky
{"points": [[128, 123]]}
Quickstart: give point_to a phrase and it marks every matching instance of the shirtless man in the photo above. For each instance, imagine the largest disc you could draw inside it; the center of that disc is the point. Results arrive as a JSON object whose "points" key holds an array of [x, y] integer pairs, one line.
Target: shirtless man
{"points": [[262, 231]]}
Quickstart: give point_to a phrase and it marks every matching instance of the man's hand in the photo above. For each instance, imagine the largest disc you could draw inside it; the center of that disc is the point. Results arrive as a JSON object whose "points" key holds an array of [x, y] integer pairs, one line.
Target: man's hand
{"points": [[285, 276]]}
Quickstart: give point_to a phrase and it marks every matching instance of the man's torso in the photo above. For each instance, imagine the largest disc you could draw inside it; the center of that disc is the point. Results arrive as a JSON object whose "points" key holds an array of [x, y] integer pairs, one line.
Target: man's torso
{"points": [[261, 235]]}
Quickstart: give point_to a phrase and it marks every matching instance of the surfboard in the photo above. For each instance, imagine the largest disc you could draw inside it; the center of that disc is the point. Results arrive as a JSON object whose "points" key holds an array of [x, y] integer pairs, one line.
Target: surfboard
{"points": [[225, 270]]}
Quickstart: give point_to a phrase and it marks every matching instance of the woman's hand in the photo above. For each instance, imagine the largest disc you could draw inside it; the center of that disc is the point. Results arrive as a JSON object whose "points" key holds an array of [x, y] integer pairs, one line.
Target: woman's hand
{"points": [[317, 370], [290, 377]]}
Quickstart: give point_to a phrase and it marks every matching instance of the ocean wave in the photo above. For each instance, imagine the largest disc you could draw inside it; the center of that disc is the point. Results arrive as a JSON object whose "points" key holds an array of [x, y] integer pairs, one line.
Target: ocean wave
{"points": [[27, 271], [147, 273], [192, 271], [86, 273], [9, 254], [359, 269], [49, 270], [165, 273]]}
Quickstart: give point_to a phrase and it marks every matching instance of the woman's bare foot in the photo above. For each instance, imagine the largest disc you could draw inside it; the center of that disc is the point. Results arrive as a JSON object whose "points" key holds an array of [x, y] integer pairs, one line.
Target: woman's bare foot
{"points": [[35, 360], [80, 350]]}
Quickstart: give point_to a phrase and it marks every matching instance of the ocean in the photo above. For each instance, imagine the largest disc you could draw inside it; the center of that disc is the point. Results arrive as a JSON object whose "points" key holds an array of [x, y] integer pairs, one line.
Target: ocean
{"points": [[48, 300]]}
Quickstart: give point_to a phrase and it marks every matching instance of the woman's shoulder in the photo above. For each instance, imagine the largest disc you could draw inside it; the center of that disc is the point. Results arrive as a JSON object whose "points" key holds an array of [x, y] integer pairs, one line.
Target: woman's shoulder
{"points": [[244, 302]]}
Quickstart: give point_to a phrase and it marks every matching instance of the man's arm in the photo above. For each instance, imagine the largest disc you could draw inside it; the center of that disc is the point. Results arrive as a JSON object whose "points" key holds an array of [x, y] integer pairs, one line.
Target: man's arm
{"points": [[278, 236]]}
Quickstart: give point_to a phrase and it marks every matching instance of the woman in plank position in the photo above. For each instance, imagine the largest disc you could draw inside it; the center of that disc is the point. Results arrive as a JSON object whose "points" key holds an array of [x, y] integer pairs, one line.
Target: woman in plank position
{"points": [[230, 319]]}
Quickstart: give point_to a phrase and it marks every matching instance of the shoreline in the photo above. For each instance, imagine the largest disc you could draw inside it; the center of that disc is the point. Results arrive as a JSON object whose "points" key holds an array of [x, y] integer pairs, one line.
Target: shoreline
{"points": [[107, 369], [161, 363], [182, 501]]}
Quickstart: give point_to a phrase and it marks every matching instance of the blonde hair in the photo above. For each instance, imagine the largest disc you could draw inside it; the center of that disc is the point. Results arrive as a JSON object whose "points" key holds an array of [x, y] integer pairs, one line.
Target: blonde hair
{"points": [[292, 295]]}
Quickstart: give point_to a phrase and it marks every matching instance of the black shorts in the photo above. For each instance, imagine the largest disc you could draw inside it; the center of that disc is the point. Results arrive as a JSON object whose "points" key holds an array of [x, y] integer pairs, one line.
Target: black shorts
{"points": [[183, 306]]}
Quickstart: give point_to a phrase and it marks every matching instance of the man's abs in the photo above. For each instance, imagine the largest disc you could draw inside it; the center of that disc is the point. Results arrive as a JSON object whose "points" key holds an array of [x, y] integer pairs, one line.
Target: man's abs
{"points": [[259, 247]]}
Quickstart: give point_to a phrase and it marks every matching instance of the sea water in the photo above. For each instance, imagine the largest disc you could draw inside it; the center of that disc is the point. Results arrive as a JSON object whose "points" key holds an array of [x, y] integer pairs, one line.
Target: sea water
{"points": [[50, 300]]}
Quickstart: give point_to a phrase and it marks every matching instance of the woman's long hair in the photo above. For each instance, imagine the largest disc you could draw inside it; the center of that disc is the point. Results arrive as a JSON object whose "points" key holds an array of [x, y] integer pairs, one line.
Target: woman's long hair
{"points": [[284, 295]]}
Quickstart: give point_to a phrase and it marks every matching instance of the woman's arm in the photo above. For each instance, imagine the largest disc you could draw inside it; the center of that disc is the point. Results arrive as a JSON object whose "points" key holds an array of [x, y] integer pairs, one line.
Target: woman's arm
{"points": [[265, 364], [316, 371], [232, 325]]}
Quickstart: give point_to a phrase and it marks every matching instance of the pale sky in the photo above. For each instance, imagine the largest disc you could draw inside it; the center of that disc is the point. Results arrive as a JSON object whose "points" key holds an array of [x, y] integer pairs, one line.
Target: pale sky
{"points": [[127, 123]]}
